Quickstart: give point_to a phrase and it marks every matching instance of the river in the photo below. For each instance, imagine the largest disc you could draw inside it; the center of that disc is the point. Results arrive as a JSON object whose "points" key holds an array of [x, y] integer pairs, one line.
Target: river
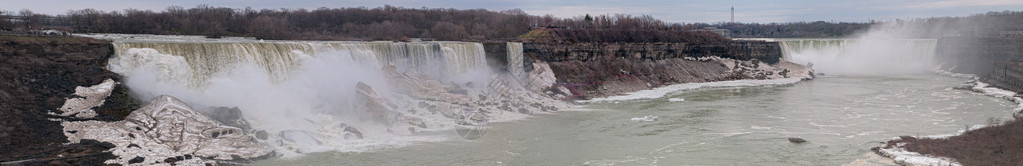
{"points": [[842, 117]]}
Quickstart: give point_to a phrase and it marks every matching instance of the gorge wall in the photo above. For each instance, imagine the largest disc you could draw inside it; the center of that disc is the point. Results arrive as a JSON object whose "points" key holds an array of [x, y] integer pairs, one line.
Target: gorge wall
{"points": [[587, 70], [40, 74], [996, 60], [37, 75]]}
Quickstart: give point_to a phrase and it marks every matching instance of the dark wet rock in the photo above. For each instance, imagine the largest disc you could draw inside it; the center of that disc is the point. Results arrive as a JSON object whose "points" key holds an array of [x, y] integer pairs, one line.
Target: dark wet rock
{"points": [[300, 137], [458, 90], [37, 74], [588, 70], [416, 122], [525, 111], [136, 160], [350, 132], [262, 135], [796, 140], [231, 116], [86, 152], [170, 160], [907, 138], [119, 104]]}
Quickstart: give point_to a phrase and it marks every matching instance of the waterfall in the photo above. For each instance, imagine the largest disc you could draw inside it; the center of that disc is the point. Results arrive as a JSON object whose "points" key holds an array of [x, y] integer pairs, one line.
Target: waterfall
{"points": [[311, 87], [862, 55], [515, 60], [193, 63]]}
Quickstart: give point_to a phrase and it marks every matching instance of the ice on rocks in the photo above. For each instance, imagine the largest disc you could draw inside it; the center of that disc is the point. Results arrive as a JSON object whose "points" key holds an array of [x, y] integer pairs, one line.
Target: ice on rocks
{"points": [[86, 99], [167, 128]]}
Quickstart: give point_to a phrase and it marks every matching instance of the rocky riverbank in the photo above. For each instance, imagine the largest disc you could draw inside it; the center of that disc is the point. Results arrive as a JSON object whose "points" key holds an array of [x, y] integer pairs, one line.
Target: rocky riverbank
{"points": [[995, 143], [591, 70], [991, 60], [37, 75], [65, 107]]}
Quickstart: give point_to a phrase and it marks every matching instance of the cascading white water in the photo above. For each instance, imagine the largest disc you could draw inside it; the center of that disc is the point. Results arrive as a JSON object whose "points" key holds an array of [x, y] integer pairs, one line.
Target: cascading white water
{"points": [[515, 59], [279, 58], [862, 55], [285, 86]]}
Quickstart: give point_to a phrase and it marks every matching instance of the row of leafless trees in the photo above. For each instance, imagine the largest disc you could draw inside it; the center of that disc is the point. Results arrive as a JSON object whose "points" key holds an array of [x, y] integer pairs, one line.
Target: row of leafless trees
{"points": [[987, 24], [397, 23], [818, 29], [633, 36], [382, 23]]}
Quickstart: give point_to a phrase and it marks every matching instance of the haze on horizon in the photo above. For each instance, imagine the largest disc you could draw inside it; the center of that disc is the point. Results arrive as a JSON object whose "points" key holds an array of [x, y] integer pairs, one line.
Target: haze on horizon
{"points": [[758, 11]]}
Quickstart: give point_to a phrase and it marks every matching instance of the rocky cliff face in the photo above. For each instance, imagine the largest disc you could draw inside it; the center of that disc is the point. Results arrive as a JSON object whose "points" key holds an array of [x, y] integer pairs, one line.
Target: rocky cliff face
{"points": [[37, 75], [586, 70], [995, 60], [769, 52]]}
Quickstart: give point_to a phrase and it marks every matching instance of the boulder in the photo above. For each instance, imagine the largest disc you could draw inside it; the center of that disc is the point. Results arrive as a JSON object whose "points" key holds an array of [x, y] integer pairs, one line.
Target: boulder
{"points": [[350, 132], [301, 137], [231, 116], [796, 140]]}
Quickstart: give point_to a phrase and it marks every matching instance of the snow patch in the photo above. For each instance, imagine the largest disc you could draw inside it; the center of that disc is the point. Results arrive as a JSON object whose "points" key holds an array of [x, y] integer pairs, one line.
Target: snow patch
{"points": [[91, 97], [904, 157]]}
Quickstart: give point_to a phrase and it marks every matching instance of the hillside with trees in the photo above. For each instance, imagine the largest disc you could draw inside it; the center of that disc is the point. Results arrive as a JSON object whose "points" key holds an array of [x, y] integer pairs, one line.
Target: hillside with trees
{"points": [[382, 23], [398, 23]]}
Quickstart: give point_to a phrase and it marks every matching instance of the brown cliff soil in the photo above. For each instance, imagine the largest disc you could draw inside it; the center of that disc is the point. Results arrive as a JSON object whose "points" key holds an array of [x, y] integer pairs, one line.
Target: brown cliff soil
{"points": [[37, 74], [613, 76], [996, 145], [769, 52]]}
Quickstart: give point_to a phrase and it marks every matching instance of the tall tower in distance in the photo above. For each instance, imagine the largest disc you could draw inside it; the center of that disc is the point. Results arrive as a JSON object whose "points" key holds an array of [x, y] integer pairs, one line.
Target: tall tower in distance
{"points": [[733, 15]]}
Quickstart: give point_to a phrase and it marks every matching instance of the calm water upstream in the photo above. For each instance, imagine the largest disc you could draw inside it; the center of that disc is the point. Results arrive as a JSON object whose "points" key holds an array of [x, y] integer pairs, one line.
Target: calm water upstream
{"points": [[842, 117]]}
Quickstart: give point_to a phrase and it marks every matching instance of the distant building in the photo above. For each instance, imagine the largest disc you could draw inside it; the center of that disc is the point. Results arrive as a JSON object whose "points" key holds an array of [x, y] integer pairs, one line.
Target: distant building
{"points": [[722, 32]]}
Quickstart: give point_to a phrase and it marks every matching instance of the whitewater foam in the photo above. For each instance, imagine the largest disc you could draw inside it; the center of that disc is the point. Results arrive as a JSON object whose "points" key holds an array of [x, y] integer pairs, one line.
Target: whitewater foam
{"points": [[665, 90]]}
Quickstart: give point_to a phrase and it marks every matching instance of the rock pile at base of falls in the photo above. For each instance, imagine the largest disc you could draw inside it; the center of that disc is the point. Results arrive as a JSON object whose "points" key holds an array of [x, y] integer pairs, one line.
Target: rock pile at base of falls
{"points": [[164, 131], [417, 103]]}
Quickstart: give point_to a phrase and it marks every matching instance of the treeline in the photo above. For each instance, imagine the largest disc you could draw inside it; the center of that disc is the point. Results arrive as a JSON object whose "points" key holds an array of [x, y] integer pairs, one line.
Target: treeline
{"points": [[818, 29], [621, 36], [397, 23], [987, 24], [382, 23]]}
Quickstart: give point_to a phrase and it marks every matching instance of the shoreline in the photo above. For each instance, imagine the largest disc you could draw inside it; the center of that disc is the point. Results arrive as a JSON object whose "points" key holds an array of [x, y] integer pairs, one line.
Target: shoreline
{"points": [[897, 150], [663, 91]]}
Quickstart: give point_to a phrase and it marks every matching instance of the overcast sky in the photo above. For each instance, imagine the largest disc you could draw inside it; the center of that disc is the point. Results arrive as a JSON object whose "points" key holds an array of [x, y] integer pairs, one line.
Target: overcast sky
{"points": [[677, 11]]}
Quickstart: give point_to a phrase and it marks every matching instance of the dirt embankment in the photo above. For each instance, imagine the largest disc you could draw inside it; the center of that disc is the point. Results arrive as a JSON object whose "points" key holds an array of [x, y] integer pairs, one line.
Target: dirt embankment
{"points": [[995, 60], [37, 74], [588, 70], [995, 145]]}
